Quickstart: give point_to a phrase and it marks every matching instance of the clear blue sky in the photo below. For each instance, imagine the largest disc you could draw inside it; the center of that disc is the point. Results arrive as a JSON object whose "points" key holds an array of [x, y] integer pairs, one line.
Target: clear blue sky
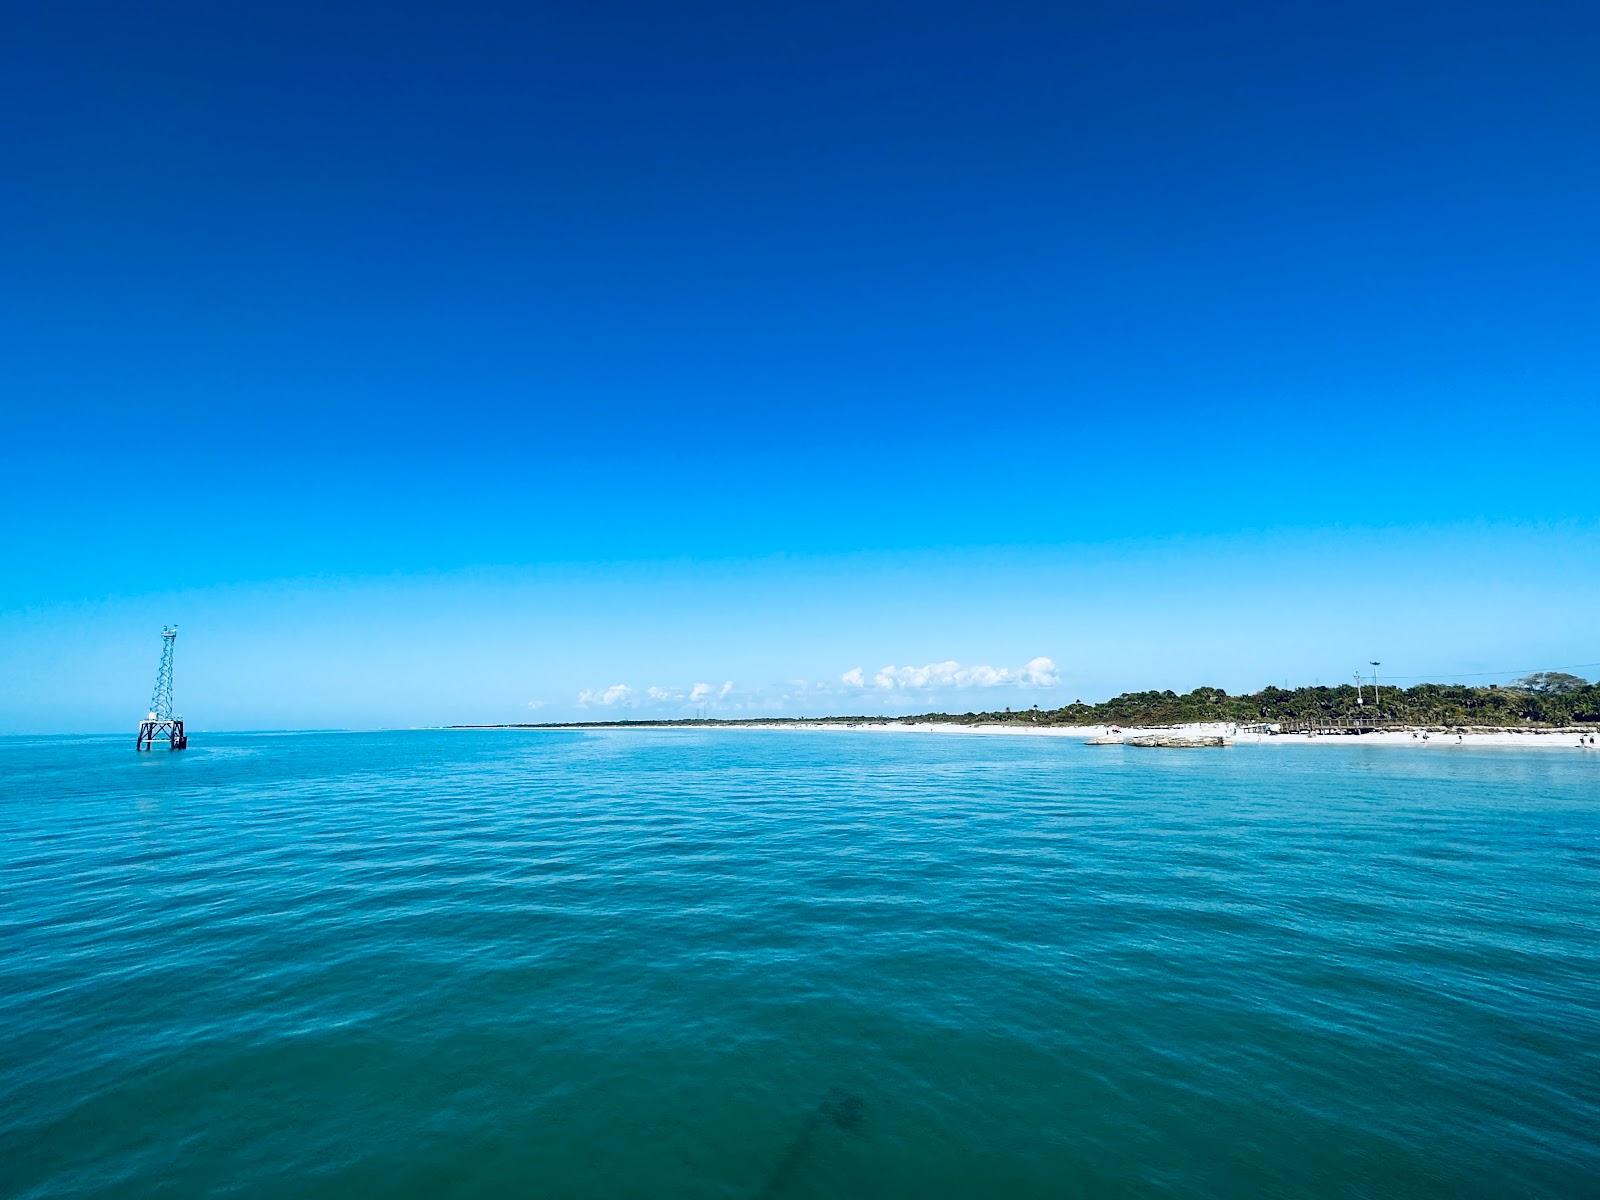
{"points": [[443, 363]]}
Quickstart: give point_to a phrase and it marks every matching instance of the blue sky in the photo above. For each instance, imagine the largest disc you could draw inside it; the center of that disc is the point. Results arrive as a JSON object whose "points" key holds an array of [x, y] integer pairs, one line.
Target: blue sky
{"points": [[431, 364]]}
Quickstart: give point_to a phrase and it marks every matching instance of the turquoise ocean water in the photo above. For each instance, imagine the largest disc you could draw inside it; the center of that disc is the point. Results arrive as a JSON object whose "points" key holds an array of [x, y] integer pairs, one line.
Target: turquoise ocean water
{"points": [[795, 964]]}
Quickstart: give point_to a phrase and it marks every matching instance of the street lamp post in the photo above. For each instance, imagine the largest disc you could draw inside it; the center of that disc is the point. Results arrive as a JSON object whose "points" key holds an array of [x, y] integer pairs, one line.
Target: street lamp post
{"points": [[1375, 667]]}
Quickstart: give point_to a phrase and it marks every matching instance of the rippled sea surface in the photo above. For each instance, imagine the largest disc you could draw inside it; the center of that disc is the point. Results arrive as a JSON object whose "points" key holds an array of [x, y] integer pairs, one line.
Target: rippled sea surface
{"points": [[795, 964]]}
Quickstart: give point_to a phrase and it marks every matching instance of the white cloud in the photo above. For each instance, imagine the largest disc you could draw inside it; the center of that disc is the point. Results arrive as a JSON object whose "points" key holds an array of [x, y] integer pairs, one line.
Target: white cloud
{"points": [[617, 693], [944, 674], [894, 685], [1039, 672], [536, 705], [623, 696]]}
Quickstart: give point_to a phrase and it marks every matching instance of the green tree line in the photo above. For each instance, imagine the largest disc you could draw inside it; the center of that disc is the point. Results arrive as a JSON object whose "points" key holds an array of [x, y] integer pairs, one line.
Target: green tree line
{"points": [[1546, 699]]}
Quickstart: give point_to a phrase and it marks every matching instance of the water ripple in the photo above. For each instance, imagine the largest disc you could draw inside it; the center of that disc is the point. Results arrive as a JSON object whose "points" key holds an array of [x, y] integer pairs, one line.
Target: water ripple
{"points": [[802, 964]]}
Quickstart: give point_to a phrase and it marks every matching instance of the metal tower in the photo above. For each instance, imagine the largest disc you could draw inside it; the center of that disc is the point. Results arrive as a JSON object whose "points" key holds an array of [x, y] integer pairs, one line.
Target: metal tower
{"points": [[161, 698], [160, 722]]}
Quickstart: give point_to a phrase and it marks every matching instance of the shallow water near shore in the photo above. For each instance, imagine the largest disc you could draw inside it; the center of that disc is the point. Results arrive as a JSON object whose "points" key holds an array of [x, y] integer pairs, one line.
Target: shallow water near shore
{"points": [[794, 963]]}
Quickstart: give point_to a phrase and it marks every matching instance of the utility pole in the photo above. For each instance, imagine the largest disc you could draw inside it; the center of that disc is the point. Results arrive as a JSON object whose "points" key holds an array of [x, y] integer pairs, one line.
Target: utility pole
{"points": [[1359, 701], [1375, 667]]}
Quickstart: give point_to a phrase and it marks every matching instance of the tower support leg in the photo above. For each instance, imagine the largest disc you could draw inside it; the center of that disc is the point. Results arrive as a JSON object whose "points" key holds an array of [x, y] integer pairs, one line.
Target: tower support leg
{"points": [[171, 729]]}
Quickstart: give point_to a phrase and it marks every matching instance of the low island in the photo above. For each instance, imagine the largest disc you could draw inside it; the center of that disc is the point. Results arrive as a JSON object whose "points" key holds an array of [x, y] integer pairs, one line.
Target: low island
{"points": [[1545, 709]]}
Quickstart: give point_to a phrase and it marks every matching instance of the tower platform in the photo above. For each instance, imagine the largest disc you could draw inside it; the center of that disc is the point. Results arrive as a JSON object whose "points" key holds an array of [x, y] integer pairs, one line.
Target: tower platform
{"points": [[169, 729]]}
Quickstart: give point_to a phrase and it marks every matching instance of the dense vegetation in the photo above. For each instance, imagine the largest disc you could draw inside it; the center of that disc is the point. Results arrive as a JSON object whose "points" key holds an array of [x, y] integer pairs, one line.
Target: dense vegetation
{"points": [[1549, 698], [1539, 700]]}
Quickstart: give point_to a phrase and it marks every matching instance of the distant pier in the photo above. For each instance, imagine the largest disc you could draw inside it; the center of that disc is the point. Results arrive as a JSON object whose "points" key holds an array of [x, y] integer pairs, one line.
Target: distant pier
{"points": [[1347, 726]]}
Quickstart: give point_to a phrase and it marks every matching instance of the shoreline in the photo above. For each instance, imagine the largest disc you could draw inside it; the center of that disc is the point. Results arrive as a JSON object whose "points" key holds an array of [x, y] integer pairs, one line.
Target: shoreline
{"points": [[1555, 738], [1521, 739]]}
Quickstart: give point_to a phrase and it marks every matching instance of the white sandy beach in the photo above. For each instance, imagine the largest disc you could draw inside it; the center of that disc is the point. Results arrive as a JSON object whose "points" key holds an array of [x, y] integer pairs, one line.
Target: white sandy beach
{"points": [[1517, 739]]}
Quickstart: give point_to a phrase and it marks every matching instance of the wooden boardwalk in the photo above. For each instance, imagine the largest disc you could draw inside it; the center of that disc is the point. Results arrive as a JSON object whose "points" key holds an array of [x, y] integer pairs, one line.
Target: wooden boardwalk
{"points": [[1342, 725]]}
